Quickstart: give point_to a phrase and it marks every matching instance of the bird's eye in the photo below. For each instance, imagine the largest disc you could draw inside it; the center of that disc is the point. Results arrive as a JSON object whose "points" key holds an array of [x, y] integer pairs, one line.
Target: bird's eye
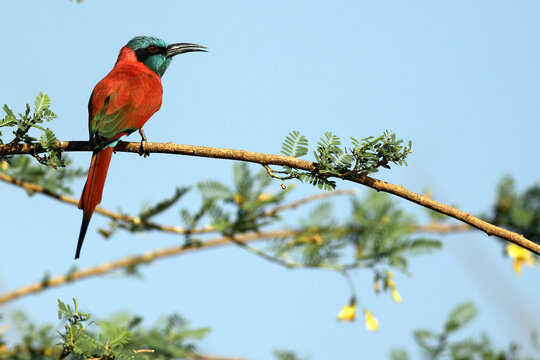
{"points": [[152, 49]]}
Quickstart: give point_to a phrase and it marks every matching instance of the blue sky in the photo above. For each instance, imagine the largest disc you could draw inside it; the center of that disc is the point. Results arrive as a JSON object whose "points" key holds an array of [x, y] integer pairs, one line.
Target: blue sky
{"points": [[458, 78]]}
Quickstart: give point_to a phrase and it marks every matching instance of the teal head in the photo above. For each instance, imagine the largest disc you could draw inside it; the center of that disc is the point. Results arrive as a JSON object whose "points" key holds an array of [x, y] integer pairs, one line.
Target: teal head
{"points": [[156, 54]]}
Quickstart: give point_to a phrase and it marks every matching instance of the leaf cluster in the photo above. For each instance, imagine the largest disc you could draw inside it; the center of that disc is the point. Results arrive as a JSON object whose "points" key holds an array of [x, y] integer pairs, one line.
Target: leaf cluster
{"points": [[53, 180], [170, 337], [287, 355], [146, 214], [377, 234], [36, 342], [121, 337], [26, 121], [439, 345], [124, 336], [365, 156], [517, 212], [239, 208], [77, 340], [234, 209]]}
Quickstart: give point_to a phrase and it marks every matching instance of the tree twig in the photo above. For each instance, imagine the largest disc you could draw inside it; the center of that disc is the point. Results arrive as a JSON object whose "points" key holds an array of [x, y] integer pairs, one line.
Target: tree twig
{"points": [[310, 198], [441, 228], [269, 159], [32, 188], [131, 261]]}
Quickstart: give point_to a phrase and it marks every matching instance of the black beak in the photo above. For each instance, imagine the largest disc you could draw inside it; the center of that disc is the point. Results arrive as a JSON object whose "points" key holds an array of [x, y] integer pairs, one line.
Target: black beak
{"points": [[175, 49]]}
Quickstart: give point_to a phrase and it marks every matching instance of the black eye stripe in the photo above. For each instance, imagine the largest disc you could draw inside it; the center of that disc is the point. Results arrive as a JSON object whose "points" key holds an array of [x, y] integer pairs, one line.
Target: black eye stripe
{"points": [[144, 53]]}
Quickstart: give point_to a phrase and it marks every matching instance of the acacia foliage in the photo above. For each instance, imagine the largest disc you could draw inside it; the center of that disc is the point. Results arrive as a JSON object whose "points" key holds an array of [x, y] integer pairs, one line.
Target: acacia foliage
{"points": [[376, 235]]}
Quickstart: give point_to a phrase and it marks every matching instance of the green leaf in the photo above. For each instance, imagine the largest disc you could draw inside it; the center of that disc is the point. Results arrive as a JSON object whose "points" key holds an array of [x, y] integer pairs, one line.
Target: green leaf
{"points": [[9, 112], [399, 354], [214, 189], [62, 309], [317, 181], [10, 119], [423, 338], [460, 316], [295, 145], [423, 246], [286, 355], [47, 139], [329, 141], [118, 337], [42, 102], [163, 205]]}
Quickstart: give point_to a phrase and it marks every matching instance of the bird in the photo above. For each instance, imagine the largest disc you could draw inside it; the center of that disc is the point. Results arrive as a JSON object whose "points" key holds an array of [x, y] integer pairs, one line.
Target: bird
{"points": [[120, 104]]}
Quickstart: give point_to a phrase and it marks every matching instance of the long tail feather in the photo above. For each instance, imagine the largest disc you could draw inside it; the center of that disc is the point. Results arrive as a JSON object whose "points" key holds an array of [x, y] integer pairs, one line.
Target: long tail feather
{"points": [[91, 195]]}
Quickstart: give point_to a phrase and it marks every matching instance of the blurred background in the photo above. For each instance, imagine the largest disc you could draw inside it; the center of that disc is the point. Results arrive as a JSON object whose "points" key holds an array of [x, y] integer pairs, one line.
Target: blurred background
{"points": [[460, 79]]}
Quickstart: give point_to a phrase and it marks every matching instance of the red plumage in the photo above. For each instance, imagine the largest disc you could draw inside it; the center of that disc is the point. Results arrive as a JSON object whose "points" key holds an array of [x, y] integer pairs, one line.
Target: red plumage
{"points": [[132, 92], [120, 103]]}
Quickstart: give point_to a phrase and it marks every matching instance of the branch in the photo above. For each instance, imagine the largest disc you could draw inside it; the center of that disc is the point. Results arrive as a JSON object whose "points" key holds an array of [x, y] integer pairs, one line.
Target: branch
{"points": [[307, 199], [441, 228], [268, 159], [32, 188], [132, 261]]}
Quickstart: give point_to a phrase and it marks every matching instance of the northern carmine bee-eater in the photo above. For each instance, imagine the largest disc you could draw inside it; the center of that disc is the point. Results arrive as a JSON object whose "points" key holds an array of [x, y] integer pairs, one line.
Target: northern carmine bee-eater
{"points": [[120, 104]]}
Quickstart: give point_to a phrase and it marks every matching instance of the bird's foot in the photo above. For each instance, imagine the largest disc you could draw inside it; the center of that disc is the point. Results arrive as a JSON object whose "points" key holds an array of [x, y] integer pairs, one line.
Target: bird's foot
{"points": [[144, 140]]}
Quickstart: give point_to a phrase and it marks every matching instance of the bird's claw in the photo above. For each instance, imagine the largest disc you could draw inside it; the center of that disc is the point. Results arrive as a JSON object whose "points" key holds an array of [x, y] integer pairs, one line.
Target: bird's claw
{"points": [[142, 150], [144, 140]]}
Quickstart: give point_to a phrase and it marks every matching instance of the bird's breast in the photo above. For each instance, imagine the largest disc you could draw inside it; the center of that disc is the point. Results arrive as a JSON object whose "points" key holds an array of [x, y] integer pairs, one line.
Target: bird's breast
{"points": [[124, 100]]}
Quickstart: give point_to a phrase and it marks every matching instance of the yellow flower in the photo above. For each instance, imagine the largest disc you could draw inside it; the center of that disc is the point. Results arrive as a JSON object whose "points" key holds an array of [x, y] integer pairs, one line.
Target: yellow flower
{"points": [[317, 239], [4, 165], [264, 197], [347, 313], [3, 348], [239, 199], [392, 285], [371, 322], [377, 285], [396, 296], [520, 256], [311, 239]]}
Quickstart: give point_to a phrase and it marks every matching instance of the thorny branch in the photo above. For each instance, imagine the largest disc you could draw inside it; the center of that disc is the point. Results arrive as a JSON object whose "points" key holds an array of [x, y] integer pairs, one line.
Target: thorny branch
{"points": [[132, 261], [33, 188], [269, 159], [238, 240]]}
